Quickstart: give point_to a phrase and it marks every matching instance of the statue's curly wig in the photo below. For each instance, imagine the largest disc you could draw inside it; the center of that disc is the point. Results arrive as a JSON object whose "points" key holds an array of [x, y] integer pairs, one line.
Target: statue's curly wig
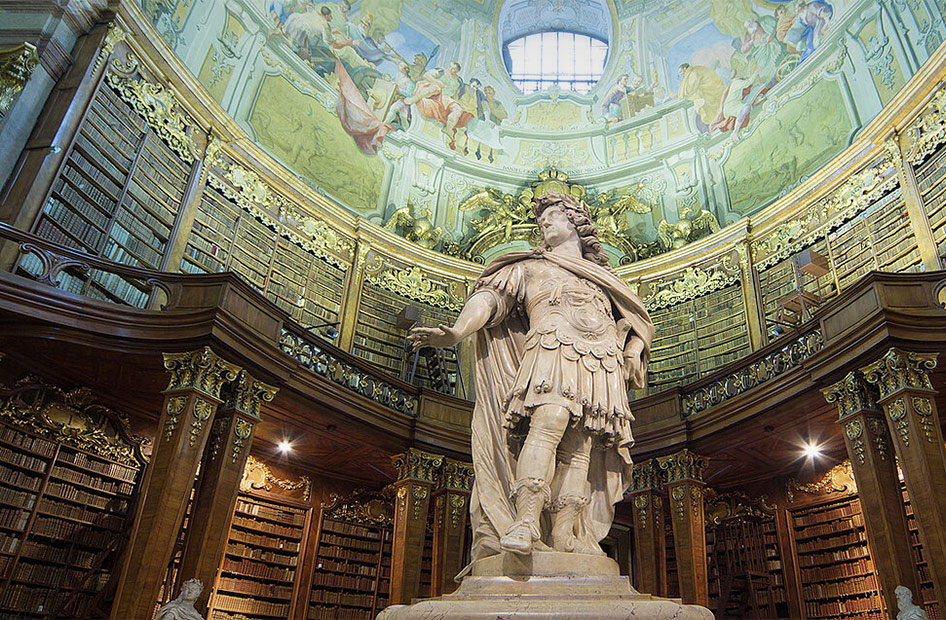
{"points": [[577, 214]]}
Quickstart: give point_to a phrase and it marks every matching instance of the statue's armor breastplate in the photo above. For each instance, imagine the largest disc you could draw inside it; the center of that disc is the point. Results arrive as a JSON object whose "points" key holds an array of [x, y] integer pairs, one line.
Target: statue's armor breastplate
{"points": [[574, 314]]}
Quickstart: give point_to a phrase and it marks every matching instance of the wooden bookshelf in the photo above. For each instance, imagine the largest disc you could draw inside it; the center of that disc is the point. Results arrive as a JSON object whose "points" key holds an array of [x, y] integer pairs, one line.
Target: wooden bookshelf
{"points": [[426, 561], [378, 339], [673, 578], [306, 286], [258, 573], [929, 176], [116, 195], [352, 576], [926, 596], [838, 579], [63, 510]]}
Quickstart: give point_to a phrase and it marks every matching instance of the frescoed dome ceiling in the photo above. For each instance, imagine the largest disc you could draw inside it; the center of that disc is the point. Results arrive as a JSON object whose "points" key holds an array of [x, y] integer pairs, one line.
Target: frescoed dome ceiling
{"points": [[402, 111]]}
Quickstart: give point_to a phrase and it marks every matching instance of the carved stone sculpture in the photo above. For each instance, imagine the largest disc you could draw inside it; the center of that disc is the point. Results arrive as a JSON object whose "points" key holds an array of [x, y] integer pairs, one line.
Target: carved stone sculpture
{"points": [[560, 339], [908, 610], [182, 608]]}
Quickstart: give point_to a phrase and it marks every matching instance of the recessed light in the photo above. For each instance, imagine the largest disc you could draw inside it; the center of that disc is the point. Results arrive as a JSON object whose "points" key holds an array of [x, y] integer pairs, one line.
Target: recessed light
{"points": [[284, 447], [812, 451]]}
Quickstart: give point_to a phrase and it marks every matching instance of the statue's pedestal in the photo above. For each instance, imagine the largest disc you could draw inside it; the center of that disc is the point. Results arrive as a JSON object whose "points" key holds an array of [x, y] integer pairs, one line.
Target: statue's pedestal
{"points": [[546, 585]]}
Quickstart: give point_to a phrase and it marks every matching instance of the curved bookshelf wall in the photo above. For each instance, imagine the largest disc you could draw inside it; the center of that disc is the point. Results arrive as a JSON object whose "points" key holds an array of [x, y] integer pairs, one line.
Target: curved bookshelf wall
{"points": [[715, 300]]}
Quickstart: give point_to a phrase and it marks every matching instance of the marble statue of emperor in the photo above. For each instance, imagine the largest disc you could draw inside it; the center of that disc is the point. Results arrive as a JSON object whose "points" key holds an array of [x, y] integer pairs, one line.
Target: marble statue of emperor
{"points": [[559, 340]]}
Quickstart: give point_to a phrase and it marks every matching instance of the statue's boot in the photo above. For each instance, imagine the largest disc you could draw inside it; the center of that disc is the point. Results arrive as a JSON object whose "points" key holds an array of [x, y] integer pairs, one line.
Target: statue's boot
{"points": [[530, 495], [564, 515]]}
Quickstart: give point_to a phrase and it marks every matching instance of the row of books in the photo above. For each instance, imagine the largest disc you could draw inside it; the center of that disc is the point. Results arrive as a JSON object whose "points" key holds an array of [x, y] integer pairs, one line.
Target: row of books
{"points": [[825, 516], [835, 555], [77, 533], [79, 477], [39, 551], [271, 512], [46, 575], [825, 609], [17, 498], [368, 543], [254, 588], [344, 553], [342, 598], [261, 539], [833, 528], [336, 580], [56, 214], [855, 586], [68, 492], [13, 518], [93, 517], [115, 470], [345, 567], [266, 555], [861, 566], [339, 613], [256, 569], [226, 602]]}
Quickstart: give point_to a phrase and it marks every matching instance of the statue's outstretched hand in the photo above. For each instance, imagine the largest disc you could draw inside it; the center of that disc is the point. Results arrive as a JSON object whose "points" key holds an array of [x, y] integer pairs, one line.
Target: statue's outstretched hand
{"points": [[440, 336]]}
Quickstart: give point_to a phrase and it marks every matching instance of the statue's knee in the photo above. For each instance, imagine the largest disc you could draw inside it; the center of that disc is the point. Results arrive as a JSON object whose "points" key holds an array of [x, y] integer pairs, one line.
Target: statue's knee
{"points": [[551, 419]]}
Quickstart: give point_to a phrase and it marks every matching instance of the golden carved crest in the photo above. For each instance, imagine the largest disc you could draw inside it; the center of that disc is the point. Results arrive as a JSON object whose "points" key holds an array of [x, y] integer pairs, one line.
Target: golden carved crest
{"points": [[417, 465], [693, 283], [839, 479], [683, 465], [720, 507], [157, 104], [899, 369], [247, 394], [362, 507], [71, 417], [852, 393], [257, 476], [199, 370], [16, 68], [414, 284]]}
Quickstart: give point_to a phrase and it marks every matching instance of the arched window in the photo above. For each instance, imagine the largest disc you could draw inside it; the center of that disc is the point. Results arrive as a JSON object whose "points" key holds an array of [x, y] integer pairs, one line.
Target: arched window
{"points": [[572, 61]]}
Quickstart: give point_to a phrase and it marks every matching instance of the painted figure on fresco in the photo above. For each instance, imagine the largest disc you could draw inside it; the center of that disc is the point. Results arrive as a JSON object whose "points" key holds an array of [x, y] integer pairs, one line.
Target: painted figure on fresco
{"points": [[560, 338], [705, 89]]}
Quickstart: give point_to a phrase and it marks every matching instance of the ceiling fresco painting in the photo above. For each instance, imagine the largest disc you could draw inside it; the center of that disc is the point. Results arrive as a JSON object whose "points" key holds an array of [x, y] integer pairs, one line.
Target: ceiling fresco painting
{"points": [[402, 111]]}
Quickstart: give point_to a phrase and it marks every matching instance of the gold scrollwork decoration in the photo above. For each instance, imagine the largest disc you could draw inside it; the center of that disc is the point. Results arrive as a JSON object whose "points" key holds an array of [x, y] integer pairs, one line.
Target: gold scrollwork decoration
{"points": [[693, 283], [838, 479], [202, 411], [878, 429], [457, 506], [258, 476], [641, 502], [175, 406], [899, 369], [372, 508], [683, 465], [412, 283], [217, 435], [247, 394], [201, 370], [854, 430], [71, 417], [678, 495], [242, 429], [924, 411], [852, 393], [419, 492], [897, 410], [159, 106], [722, 507], [16, 68], [417, 465]]}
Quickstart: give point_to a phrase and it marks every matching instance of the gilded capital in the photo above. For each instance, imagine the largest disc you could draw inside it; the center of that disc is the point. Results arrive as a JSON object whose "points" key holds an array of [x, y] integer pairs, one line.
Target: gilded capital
{"points": [[247, 394], [645, 476], [852, 393], [417, 465], [200, 370], [456, 475], [899, 369], [683, 465], [16, 68]]}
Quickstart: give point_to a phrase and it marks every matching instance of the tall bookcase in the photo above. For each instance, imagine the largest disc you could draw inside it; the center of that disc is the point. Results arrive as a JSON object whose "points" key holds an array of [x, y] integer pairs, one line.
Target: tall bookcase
{"points": [[378, 339], [66, 493], [926, 596], [929, 177], [226, 236], [259, 571], [117, 195], [838, 579], [352, 578]]}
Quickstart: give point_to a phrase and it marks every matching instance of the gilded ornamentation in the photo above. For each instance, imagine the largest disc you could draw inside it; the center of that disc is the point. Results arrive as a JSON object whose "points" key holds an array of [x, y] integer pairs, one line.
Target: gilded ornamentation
{"points": [[114, 36], [374, 386], [73, 418], [258, 476], [678, 495], [928, 131], [742, 380], [456, 475], [242, 429], [158, 105], [415, 224], [839, 479], [852, 393], [419, 493], [878, 429], [417, 465], [413, 284], [854, 430], [899, 370], [897, 411], [200, 370], [692, 226], [646, 475], [692, 284], [202, 412], [16, 68], [641, 502], [696, 500], [217, 435], [175, 406], [363, 507], [401, 500], [683, 465], [457, 507], [247, 394], [924, 411], [720, 507]]}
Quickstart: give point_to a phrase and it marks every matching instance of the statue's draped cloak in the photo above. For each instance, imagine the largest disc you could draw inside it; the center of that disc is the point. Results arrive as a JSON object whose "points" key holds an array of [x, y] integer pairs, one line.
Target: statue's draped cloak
{"points": [[499, 349]]}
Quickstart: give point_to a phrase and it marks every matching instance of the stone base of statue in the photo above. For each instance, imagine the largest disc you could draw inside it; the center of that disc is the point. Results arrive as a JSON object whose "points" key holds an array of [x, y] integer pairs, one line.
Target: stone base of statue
{"points": [[545, 585]]}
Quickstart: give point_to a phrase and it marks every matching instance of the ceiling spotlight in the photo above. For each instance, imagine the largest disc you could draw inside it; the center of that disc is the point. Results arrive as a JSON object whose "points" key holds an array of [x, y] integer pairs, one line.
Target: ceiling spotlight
{"points": [[284, 446], [812, 451]]}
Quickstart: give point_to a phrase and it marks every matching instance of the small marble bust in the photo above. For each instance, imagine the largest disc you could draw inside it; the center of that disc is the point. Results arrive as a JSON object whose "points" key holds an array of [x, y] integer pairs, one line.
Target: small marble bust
{"points": [[908, 609], [182, 608]]}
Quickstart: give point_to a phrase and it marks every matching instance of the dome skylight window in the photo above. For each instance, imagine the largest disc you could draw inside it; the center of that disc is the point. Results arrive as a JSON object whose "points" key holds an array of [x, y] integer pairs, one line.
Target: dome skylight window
{"points": [[571, 61]]}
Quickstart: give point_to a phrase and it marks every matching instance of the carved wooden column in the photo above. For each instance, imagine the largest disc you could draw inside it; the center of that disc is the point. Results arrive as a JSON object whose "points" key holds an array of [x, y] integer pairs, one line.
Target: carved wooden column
{"points": [[451, 507], [221, 471], [875, 472], [650, 541], [417, 472], [685, 487], [906, 395], [190, 402]]}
